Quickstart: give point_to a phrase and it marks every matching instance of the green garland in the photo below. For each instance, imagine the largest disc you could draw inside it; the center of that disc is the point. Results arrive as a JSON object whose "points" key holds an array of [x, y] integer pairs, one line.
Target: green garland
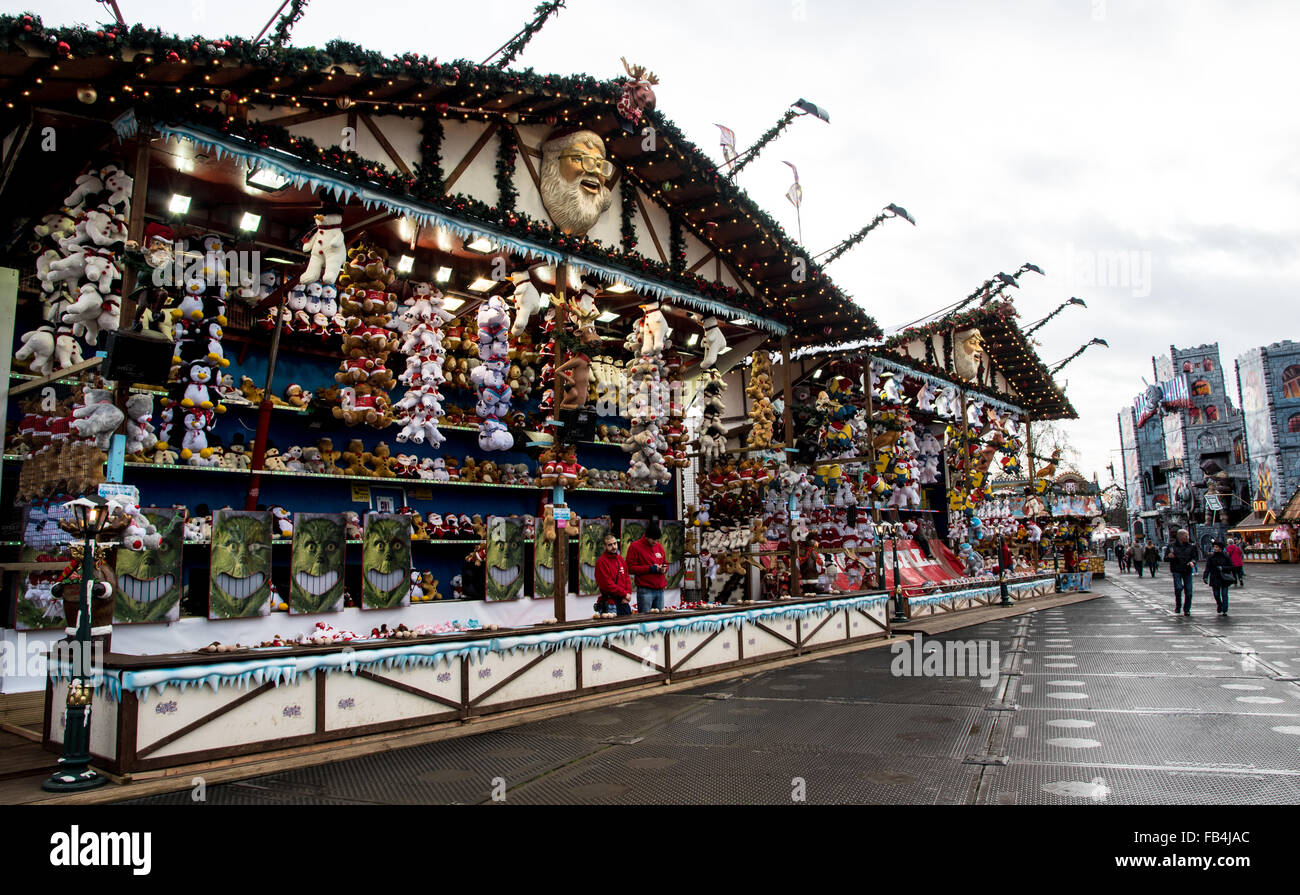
{"points": [[27, 35], [428, 171], [280, 36], [627, 215], [1002, 310], [507, 151], [854, 239], [772, 133], [676, 247], [520, 40]]}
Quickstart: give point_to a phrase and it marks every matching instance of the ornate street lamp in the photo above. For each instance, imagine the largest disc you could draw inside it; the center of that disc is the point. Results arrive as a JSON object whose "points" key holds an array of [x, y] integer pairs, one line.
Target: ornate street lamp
{"points": [[74, 773]]}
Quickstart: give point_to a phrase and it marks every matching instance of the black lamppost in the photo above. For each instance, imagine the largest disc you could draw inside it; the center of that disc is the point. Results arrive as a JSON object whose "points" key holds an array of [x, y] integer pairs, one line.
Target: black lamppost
{"points": [[74, 773], [894, 531]]}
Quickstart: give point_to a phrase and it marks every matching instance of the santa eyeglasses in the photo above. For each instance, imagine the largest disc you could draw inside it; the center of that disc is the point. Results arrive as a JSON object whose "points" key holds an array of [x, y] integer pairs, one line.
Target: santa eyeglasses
{"points": [[593, 164]]}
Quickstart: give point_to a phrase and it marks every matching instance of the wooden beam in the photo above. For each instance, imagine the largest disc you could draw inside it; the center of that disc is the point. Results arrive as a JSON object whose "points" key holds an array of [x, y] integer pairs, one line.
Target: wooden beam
{"points": [[703, 261], [527, 152], [383, 141], [651, 227], [302, 117], [474, 150], [33, 384]]}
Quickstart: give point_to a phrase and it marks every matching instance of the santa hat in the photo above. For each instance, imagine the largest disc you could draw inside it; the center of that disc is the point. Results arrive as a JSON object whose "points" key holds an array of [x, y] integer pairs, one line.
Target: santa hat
{"points": [[562, 133], [158, 231]]}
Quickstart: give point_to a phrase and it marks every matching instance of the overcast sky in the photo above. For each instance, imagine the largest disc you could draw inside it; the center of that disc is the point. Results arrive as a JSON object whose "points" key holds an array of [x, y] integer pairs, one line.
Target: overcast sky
{"points": [[1075, 134]]}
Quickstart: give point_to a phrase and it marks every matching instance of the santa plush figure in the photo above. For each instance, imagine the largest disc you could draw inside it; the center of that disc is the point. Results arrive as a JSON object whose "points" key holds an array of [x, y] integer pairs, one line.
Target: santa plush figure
{"points": [[326, 247]]}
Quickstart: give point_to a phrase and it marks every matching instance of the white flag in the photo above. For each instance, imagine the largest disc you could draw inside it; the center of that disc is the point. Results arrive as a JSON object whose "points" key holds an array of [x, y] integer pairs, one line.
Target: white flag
{"points": [[728, 143], [795, 193]]}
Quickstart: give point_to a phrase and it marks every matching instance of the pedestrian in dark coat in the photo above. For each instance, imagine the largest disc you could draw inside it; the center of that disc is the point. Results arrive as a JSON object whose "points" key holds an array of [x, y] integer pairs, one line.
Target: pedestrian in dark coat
{"points": [[1218, 575]]}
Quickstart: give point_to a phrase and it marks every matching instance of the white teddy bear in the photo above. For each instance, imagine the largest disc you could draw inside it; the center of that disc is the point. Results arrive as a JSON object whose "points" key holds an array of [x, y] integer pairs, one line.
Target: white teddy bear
{"points": [[97, 418]]}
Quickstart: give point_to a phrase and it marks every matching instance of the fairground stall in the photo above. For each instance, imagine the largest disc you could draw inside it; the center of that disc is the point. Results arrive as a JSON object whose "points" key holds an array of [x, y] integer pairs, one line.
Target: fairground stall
{"points": [[333, 371], [909, 434], [1269, 537]]}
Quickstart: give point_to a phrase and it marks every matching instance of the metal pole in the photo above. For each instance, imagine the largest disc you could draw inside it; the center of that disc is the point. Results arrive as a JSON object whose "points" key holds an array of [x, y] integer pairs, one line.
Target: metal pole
{"points": [[561, 588], [264, 413], [1002, 575]]}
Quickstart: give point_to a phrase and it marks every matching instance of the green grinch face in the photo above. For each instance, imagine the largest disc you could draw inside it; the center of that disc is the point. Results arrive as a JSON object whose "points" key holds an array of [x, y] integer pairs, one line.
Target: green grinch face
{"points": [[674, 537], [240, 585], [591, 544], [316, 569], [543, 567], [386, 561], [148, 582], [633, 529], [505, 559]]}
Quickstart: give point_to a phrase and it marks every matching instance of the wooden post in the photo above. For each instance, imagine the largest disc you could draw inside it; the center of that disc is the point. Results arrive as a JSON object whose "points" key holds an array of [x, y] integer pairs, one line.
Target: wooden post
{"points": [[561, 589], [127, 307], [1029, 462], [796, 585]]}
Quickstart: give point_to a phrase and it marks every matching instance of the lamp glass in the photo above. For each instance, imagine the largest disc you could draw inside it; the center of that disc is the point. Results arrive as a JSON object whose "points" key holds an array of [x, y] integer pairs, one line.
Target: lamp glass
{"points": [[405, 264], [250, 222], [443, 275], [179, 204]]}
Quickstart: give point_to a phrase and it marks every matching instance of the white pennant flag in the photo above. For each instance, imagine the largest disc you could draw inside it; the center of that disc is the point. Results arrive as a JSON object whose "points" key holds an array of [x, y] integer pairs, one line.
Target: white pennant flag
{"points": [[728, 143], [795, 193]]}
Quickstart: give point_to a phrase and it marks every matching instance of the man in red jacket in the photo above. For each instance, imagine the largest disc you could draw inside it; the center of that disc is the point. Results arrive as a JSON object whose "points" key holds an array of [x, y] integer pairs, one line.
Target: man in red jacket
{"points": [[612, 580], [647, 562]]}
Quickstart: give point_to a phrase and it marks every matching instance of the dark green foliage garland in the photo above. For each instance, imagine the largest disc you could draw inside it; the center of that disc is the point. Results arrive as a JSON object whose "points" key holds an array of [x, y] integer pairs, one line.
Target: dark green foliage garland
{"points": [[280, 36], [676, 247], [25, 33], [507, 150], [428, 170], [520, 40], [772, 133], [854, 239], [627, 214]]}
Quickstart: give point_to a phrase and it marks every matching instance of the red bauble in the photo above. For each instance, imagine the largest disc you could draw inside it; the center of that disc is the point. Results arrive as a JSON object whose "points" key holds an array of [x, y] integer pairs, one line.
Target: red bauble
{"points": [[173, 56], [442, 108], [63, 48]]}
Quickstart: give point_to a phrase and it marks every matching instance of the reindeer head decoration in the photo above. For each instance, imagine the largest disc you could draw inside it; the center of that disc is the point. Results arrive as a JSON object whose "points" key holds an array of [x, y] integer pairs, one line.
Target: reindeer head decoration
{"points": [[638, 96]]}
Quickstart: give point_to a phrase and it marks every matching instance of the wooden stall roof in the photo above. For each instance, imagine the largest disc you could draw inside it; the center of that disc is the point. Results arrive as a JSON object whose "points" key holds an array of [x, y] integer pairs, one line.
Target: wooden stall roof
{"points": [[1256, 522], [1291, 512], [213, 82], [1009, 349]]}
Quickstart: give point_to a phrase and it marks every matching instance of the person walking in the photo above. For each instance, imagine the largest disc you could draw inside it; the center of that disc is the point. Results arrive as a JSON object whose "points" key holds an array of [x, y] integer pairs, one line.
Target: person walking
{"points": [[612, 580], [1151, 556], [647, 562], [1218, 575], [1238, 562], [1182, 557]]}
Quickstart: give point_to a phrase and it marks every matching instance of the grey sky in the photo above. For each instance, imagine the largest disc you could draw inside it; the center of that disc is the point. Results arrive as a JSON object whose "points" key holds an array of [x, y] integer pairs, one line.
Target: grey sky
{"points": [[1067, 133]]}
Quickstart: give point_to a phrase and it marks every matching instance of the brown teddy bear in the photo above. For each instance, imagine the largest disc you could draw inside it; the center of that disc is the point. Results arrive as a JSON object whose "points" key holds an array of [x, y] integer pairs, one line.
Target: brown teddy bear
{"points": [[468, 470], [354, 459], [488, 473], [381, 459]]}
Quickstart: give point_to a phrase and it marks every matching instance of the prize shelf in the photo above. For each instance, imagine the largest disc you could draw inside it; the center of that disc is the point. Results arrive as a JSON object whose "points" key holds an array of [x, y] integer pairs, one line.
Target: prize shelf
{"points": [[393, 480], [284, 542], [231, 404]]}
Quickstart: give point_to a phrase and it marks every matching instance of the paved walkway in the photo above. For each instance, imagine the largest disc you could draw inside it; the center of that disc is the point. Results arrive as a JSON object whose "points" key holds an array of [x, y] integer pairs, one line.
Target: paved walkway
{"points": [[1113, 701]]}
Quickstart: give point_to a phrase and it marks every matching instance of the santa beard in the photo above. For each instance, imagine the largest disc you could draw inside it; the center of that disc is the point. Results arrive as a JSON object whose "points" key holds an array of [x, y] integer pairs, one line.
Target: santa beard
{"points": [[573, 209]]}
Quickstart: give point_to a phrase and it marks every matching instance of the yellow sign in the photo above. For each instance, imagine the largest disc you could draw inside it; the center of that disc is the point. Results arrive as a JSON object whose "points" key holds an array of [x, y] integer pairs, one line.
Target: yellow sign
{"points": [[361, 494], [424, 493]]}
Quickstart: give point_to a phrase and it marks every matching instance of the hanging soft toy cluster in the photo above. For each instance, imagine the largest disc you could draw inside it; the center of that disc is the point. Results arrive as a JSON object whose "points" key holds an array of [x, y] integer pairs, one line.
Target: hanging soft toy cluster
{"points": [[712, 438], [489, 377], [421, 321], [70, 443], [77, 268], [367, 306], [198, 357], [760, 392], [649, 405]]}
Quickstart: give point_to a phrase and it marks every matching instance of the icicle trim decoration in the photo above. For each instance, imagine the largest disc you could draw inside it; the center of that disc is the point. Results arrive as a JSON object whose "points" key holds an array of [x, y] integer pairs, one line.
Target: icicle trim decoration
{"points": [[342, 190], [937, 382], [278, 669]]}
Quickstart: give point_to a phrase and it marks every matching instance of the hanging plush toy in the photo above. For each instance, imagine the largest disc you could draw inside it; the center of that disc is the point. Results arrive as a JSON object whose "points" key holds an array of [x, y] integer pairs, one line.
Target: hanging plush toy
{"points": [[326, 247], [714, 342], [654, 329]]}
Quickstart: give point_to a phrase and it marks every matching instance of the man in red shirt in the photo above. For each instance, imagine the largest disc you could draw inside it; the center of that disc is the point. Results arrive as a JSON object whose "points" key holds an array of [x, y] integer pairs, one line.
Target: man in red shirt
{"points": [[612, 580], [647, 561]]}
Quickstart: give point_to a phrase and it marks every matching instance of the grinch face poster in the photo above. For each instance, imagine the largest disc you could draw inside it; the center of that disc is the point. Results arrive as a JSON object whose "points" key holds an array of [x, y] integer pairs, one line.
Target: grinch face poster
{"points": [[591, 544], [505, 558], [148, 582], [240, 581], [386, 561], [316, 567], [543, 565]]}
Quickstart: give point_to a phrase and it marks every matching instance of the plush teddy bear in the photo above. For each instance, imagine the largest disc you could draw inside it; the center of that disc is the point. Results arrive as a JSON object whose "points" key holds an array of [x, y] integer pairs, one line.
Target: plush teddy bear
{"points": [[354, 459], [37, 350], [139, 428], [97, 418], [325, 246]]}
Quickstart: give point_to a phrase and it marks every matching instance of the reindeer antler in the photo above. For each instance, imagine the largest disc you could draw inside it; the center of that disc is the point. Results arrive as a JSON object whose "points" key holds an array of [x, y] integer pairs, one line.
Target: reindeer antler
{"points": [[639, 73]]}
